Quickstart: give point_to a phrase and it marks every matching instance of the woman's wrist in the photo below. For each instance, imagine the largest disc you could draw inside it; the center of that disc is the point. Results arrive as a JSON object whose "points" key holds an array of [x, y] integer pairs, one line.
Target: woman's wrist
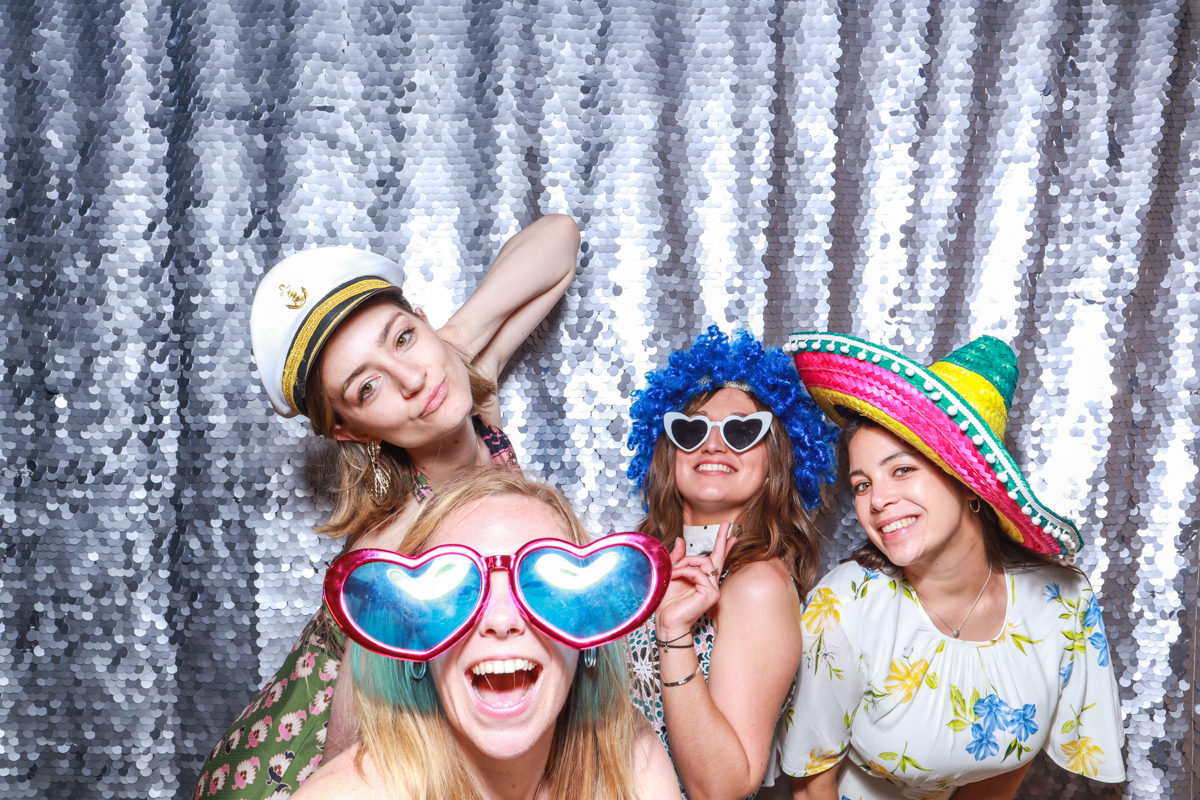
{"points": [[673, 632]]}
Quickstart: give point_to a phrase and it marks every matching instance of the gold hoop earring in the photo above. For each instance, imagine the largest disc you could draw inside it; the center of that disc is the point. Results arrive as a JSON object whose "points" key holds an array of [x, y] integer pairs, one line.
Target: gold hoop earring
{"points": [[380, 480], [974, 504]]}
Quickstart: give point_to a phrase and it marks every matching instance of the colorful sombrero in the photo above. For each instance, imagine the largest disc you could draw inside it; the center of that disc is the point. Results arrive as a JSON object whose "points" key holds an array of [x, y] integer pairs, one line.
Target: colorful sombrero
{"points": [[955, 412]]}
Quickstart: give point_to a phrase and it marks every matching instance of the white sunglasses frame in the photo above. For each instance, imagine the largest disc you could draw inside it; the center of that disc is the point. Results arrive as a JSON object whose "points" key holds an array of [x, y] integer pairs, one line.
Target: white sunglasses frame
{"points": [[767, 418]]}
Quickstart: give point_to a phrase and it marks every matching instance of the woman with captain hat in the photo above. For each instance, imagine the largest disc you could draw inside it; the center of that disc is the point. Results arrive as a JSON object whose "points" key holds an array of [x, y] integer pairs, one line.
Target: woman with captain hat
{"points": [[408, 406], [955, 643]]}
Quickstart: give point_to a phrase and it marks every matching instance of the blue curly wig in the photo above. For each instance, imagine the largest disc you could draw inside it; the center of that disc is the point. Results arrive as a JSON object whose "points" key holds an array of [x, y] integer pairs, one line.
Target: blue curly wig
{"points": [[715, 359]]}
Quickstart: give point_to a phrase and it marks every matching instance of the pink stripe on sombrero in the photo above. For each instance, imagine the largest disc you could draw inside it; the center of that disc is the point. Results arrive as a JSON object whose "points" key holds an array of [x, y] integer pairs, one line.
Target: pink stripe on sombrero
{"points": [[903, 402]]}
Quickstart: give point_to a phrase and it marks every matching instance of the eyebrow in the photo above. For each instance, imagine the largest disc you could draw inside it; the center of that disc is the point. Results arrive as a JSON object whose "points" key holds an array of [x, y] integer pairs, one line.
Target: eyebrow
{"points": [[897, 454], [379, 342]]}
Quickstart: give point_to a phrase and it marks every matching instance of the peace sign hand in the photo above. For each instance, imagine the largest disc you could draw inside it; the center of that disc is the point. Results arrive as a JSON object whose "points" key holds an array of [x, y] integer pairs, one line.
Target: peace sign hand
{"points": [[695, 586]]}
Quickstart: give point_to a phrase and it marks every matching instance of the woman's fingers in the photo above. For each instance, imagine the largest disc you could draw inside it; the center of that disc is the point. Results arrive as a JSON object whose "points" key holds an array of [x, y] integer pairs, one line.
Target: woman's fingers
{"points": [[721, 546], [702, 563], [678, 550], [701, 576]]}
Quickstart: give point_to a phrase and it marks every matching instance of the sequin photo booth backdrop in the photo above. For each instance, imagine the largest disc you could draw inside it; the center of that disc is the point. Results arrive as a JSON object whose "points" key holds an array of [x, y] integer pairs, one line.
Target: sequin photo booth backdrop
{"points": [[918, 173]]}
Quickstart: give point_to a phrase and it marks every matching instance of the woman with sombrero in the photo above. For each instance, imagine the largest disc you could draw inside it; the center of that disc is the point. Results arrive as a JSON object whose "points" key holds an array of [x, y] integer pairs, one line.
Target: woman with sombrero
{"points": [[407, 407], [955, 643]]}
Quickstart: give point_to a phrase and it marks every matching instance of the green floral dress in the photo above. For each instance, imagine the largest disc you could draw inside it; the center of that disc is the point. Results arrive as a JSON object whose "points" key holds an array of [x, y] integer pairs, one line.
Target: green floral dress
{"points": [[277, 742], [918, 713]]}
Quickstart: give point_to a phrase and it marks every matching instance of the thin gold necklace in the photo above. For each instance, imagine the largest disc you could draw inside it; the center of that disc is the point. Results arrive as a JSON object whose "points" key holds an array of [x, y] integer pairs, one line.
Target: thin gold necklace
{"points": [[954, 631]]}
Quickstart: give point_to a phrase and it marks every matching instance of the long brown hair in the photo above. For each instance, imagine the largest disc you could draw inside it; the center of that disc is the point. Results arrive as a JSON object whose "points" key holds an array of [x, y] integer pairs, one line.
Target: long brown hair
{"points": [[1001, 550], [403, 724], [347, 465], [774, 523]]}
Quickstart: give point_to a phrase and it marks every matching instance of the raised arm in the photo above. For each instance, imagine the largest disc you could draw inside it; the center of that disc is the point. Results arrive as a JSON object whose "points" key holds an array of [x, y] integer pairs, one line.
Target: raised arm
{"points": [[530, 273], [721, 731]]}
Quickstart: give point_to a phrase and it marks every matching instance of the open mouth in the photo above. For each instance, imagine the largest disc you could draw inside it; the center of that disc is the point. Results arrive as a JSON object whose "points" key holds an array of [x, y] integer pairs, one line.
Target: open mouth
{"points": [[723, 469], [504, 683], [899, 524]]}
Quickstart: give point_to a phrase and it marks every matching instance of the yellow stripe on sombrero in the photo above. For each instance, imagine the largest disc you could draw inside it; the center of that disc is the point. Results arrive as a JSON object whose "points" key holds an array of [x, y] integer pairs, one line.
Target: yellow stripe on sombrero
{"points": [[978, 391], [829, 399]]}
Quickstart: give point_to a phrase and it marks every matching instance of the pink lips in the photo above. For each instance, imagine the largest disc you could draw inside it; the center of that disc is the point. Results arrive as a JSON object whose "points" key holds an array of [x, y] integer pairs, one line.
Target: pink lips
{"points": [[435, 399]]}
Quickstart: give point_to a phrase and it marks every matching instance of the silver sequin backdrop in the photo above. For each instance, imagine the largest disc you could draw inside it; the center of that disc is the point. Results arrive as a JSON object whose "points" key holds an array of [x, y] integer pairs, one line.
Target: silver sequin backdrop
{"points": [[916, 172]]}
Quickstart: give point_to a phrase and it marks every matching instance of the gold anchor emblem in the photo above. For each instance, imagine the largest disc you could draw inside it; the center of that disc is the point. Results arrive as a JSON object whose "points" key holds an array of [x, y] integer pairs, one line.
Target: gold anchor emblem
{"points": [[298, 298]]}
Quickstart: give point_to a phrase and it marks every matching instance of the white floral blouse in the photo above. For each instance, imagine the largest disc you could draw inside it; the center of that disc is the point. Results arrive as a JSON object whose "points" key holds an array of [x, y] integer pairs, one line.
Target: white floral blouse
{"points": [[919, 713]]}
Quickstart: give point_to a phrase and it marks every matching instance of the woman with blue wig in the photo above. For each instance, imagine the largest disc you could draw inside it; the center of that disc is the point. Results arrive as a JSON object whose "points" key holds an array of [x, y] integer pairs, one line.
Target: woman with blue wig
{"points": [[730, 456]]}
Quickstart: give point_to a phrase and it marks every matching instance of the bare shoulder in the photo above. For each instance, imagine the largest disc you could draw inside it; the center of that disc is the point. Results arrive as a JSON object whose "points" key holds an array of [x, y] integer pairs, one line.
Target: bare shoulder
{"points": [[760, 585], [391, 535], [341, 779], [652, 766]]}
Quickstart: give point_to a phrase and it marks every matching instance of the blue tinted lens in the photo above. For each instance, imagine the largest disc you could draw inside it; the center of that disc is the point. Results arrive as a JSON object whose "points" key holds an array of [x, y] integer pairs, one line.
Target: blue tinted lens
{"points": [[412, 609], [585, 597]]}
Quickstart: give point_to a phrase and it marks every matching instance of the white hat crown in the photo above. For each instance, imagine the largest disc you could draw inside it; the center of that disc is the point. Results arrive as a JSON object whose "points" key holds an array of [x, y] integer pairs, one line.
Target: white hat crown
{"points": [[299, 303]]}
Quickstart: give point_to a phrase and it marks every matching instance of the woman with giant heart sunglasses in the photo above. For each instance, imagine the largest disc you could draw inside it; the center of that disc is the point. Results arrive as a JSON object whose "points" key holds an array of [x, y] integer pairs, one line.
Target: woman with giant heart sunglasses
{"points": [[731, 454], [486, 654], [403, 406]]}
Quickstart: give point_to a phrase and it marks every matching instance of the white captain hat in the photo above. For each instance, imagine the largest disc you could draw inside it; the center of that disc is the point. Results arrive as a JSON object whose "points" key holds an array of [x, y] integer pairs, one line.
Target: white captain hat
{"points": [[299, 303]]}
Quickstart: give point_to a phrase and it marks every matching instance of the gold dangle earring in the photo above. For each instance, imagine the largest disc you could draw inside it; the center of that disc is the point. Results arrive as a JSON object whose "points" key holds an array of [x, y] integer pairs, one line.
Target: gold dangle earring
{"points": [[380, 480]]}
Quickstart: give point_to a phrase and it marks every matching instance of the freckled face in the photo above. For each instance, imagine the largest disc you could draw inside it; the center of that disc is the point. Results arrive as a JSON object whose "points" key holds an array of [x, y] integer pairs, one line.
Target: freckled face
{"points": [[504, 684], [391, 377], [909, 507], [714, 481]]}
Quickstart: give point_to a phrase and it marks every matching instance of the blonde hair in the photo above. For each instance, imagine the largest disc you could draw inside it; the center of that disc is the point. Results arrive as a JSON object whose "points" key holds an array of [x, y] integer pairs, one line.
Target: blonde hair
{"points": [[402, 723], [356, 511]]}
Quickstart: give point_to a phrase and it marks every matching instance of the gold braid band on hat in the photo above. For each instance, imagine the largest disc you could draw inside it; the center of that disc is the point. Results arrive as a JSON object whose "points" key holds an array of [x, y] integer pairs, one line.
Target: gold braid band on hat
{"points": [[316, 329]]}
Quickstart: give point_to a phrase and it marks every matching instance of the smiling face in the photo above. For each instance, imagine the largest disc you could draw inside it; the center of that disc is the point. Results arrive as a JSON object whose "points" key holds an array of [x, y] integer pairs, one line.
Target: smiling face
{"points": [[915, 513], [504, 684], [389, 376], [715, 482]]}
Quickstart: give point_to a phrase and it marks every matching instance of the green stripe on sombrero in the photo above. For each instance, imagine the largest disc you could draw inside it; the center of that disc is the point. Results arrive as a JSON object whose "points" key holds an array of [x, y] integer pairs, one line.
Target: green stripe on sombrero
{"points": [[994, 360]]}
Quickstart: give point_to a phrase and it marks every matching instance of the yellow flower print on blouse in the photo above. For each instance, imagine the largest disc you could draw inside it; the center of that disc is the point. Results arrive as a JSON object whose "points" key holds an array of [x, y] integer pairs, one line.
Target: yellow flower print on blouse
{"points": [[904, 679], [1083, 757], [823, 611], [821, 761]]}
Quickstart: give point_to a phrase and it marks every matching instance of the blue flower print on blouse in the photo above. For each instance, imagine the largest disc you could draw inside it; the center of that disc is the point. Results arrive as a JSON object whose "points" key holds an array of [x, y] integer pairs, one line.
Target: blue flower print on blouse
{"points": [[1091, 621], [983, 743], [991, 716], [993, 713], [1092, 618], [1022, 721]]}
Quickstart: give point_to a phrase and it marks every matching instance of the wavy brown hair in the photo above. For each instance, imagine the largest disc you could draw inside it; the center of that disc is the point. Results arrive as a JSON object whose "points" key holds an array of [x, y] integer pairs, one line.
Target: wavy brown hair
{"points": [[402, 723], [355, 510], [774, 523], [1002, 551]]}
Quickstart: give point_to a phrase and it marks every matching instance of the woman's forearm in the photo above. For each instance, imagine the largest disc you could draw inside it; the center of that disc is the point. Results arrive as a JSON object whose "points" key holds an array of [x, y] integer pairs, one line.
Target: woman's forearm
{"points": [[701, 737], [1001, 787], [822, 786], [529, 275]]}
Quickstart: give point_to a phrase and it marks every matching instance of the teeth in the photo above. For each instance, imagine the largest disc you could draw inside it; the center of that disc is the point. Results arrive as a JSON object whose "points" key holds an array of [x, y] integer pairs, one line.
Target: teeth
{"points": [[898, 524], [502, 667], [713, 468]]}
